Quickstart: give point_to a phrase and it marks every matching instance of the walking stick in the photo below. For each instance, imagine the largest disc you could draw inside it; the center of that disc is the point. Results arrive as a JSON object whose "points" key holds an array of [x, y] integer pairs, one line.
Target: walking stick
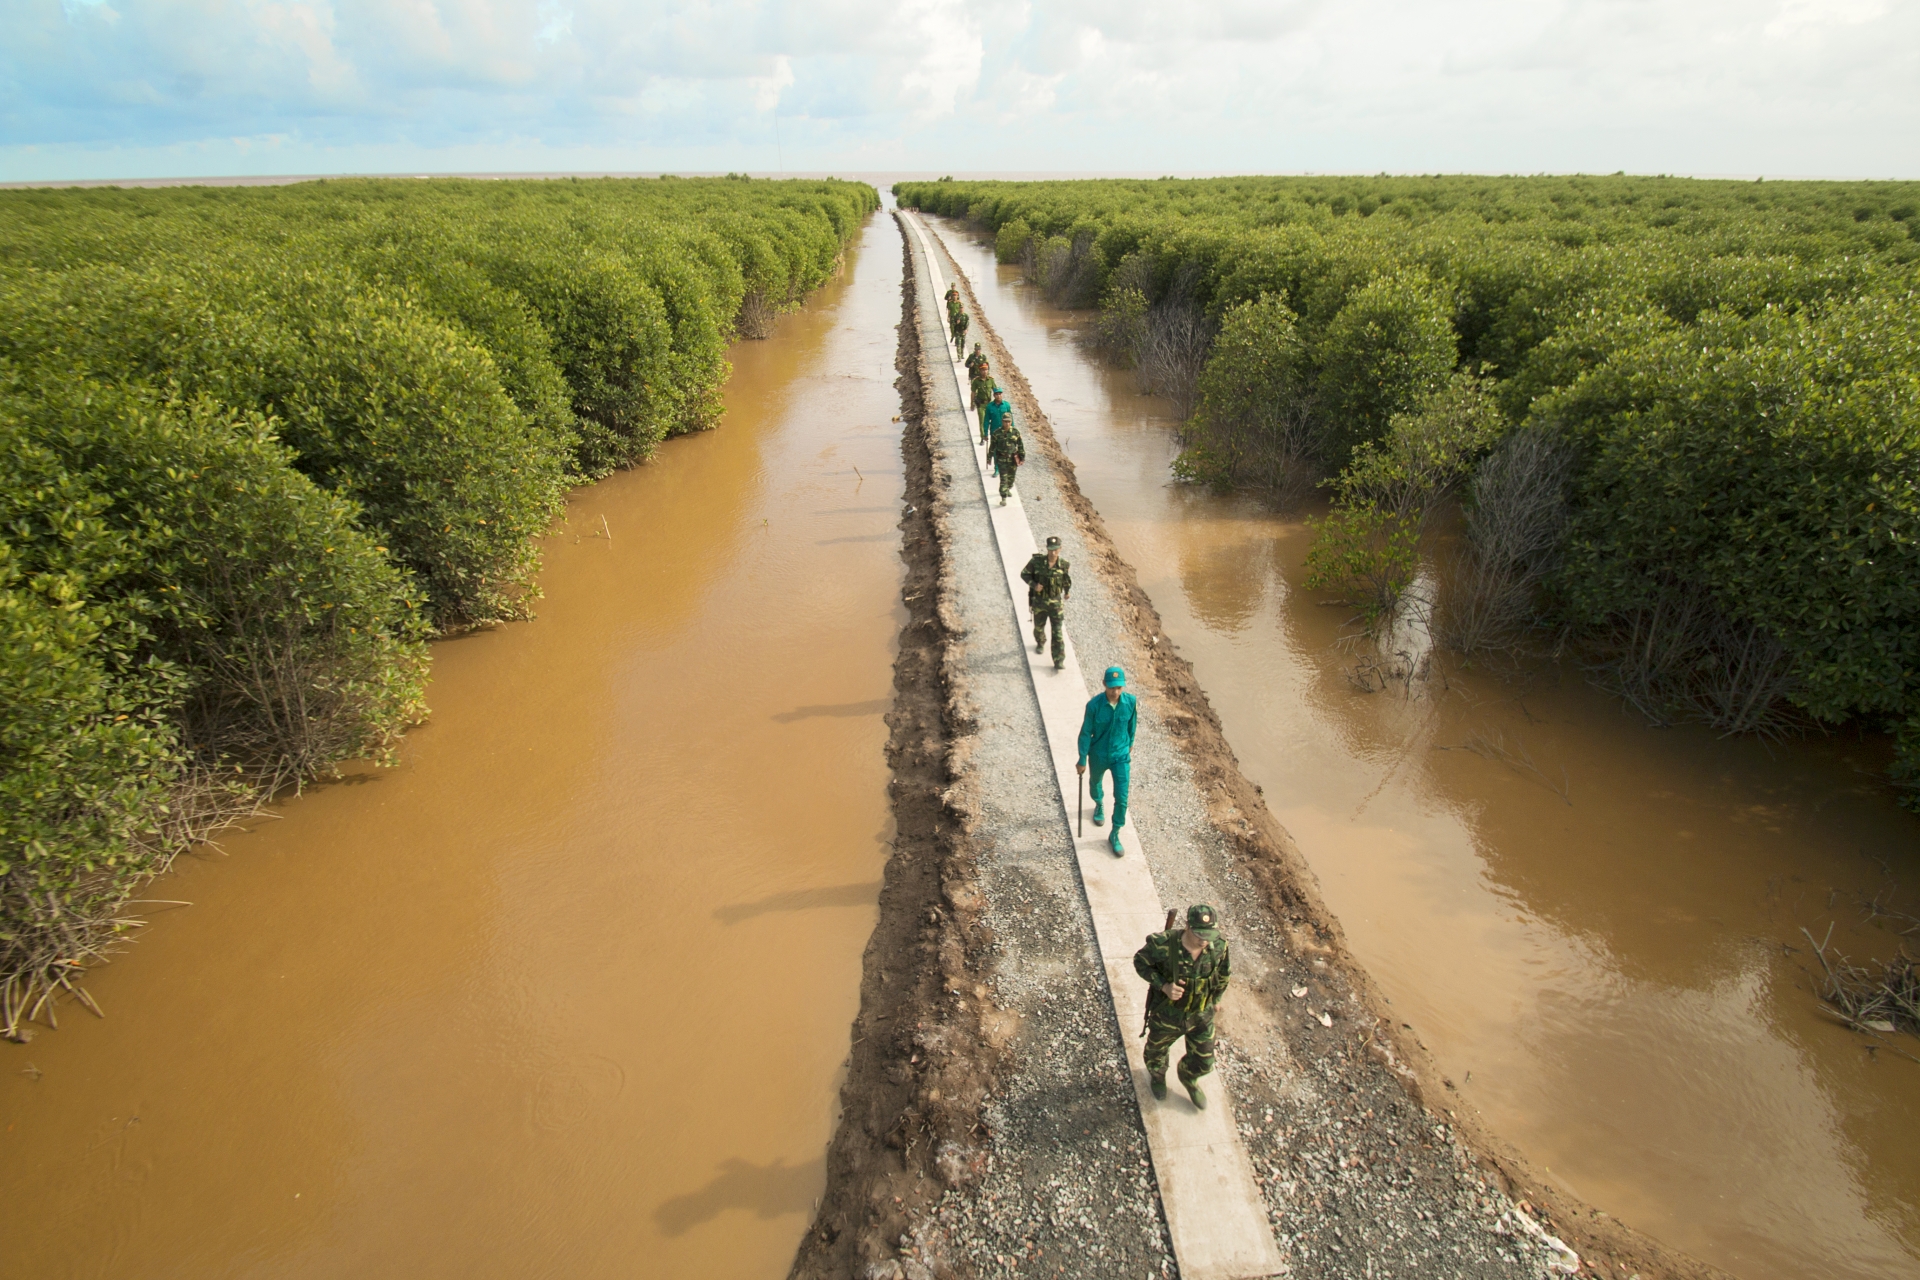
{"points": [[1083, 804]]}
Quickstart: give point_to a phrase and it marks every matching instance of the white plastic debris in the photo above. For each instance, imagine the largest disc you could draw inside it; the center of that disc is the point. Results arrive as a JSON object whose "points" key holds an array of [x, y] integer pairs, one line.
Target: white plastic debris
{"points": [[1299, 993], [1564, 1262]]}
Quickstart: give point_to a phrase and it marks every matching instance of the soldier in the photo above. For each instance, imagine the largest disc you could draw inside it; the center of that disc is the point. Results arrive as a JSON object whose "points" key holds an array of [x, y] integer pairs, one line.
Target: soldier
{"points": [[1008, 452], [953, 297], [1049, 586], [960, 331], [982, 391], [996, 412], [976, 362], [1106, 739], [1188, 971]]}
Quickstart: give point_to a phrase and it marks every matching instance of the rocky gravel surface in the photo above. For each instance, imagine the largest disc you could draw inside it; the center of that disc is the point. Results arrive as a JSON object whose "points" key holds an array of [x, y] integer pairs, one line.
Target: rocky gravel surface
{"points": [[1361, 1179]]}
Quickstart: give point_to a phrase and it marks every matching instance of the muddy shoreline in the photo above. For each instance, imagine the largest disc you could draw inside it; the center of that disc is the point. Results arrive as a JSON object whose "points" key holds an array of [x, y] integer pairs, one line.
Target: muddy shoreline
{"points": [[1384, 1138]]}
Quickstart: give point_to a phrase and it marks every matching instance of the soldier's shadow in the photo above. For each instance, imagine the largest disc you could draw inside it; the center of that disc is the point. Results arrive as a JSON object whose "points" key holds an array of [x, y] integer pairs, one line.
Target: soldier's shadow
{"points": [[767, 1191]]}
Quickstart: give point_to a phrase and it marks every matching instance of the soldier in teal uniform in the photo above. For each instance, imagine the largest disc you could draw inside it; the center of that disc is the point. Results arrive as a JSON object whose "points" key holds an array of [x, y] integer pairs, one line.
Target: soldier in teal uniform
{"points": [[1106, 742], [1188, 971]]}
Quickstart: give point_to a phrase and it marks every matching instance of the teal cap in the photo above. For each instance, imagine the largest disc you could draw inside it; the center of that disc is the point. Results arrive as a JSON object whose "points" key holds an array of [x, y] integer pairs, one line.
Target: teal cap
{"points": [[1116, 678]]}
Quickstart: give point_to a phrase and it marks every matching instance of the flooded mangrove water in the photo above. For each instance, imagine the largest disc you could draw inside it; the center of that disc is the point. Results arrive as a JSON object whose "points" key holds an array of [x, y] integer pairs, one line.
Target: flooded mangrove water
{"points": [[565, 994], [1594, 925]]}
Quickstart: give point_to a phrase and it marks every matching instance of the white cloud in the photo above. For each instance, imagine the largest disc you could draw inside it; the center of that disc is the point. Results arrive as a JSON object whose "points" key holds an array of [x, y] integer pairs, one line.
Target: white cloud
{"points": [[1666, 85]]}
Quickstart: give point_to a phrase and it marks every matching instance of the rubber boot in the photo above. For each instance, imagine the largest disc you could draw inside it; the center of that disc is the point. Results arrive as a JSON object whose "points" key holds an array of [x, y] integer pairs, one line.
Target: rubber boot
{"points": [[1099, 813], [1193, 1091], [1159, 1086], [1113, 843]]}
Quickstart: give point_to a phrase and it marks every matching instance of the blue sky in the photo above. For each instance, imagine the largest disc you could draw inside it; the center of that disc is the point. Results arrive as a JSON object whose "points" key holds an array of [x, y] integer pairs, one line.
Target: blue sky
{"points": [[150, 88]]}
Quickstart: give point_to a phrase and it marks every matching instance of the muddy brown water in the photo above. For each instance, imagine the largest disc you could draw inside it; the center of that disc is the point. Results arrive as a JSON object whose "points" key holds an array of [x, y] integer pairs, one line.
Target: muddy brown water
{"points": [[1584, 918], [567, 993]]}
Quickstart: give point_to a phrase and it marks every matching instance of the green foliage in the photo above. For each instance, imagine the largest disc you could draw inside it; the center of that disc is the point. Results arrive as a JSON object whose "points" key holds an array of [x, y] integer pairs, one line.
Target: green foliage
{"points": [[1254, 422], [1367, 557], [1391, 344], [1426, 452], [257, 444], [1772, 465], [1010, 242], [1724, 371]]}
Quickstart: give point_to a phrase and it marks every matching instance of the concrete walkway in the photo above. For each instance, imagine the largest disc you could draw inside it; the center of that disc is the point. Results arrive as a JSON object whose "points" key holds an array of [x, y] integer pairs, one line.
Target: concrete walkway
{"points": [[1215, 1214]]}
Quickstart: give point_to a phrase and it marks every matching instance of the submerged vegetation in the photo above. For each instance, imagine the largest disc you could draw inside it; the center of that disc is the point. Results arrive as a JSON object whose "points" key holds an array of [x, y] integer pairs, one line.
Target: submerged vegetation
{"points": [[257, 445], [1680, 419]]}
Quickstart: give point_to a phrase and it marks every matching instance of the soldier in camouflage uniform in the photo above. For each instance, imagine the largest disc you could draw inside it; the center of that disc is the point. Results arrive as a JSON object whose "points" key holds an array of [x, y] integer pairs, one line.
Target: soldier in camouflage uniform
{"points": [[1008, 452], [960, 323], [982, 391], [1048, 586], [976, 362], [1188, 970], [953, 299]]}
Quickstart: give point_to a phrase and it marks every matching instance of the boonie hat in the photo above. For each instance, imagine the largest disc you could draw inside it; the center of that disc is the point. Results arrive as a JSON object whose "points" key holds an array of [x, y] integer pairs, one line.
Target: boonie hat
{"points": [[1116, 678], [1200, 916]]}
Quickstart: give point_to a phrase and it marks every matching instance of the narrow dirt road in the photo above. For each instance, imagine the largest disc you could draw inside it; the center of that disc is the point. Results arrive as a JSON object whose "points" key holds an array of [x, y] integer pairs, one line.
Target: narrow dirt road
{"points": [[1010, 1142]]}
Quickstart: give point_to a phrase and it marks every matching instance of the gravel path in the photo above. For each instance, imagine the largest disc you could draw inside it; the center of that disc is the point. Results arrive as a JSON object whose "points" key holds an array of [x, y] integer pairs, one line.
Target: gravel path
{"points": [[1359, 1178]]}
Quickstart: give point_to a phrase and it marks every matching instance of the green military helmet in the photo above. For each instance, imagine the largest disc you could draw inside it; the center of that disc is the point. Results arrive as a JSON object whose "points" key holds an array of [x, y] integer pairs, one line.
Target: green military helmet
{"points": [[1116, 678], [1201, 916]]}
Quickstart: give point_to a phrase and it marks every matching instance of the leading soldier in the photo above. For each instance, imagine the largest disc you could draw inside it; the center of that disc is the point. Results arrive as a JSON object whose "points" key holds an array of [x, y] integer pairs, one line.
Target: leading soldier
{"points": [[1049, 584], [1188, 970]]}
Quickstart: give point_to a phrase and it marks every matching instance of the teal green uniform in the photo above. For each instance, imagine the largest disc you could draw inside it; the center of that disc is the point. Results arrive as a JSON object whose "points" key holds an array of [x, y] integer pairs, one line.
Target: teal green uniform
{"points": [[995, 415], [1106, 746], [1164, 960]]}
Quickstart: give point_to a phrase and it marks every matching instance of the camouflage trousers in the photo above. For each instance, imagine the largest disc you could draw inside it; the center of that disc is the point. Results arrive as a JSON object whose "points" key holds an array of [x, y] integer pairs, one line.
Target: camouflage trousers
{"points": [[1006, 477], [1165, 1024], [1042, 614]]}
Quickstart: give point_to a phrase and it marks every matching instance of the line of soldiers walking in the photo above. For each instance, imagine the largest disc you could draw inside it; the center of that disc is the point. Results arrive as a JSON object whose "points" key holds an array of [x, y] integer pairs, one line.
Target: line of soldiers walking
{"points": [[1005, 449], [1187, 970]]}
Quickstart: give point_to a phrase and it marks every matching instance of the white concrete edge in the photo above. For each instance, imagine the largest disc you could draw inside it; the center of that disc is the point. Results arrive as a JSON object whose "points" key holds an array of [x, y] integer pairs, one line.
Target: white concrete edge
{"points": [[1215, 1213]]}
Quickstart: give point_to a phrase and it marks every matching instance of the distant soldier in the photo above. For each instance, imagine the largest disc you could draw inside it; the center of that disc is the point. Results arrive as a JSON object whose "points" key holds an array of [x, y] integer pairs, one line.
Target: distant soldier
{"points": [[1048, 587], [976, 362], [960, 331], [1106, 741], [982, 392], [1188, 971], [953, 297], [1008, 452], [996, 412]]}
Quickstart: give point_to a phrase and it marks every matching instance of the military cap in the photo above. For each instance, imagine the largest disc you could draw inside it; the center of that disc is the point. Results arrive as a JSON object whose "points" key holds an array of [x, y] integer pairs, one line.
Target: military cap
{"points": [[1200, 916], [1116, 678], [1053, 544]]}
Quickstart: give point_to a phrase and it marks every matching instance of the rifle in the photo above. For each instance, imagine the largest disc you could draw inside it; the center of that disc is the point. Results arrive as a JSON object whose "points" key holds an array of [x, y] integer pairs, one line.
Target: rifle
{"points": [[1146, 1014]]}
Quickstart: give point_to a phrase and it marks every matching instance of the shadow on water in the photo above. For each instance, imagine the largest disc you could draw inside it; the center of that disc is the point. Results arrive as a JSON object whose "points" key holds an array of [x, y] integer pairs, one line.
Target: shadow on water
{"points": [[766, 1190], [837, 895], [877, 706]]}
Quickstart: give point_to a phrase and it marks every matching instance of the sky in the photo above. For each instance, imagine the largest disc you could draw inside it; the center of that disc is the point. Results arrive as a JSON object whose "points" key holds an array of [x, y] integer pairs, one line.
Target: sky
{"points": [[102, 89]]}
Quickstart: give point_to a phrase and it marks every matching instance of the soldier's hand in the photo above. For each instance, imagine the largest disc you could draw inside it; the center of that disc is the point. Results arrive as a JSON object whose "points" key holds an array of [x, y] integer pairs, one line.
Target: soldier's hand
{"points": [[1081, 767], [1174, 990]]}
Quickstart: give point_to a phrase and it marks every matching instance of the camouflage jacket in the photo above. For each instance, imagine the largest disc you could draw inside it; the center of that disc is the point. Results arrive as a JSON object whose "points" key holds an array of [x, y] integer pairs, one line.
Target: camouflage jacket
{"points": [[1007, 449], [977, 364], [1164, 959], [1046, 583]]}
